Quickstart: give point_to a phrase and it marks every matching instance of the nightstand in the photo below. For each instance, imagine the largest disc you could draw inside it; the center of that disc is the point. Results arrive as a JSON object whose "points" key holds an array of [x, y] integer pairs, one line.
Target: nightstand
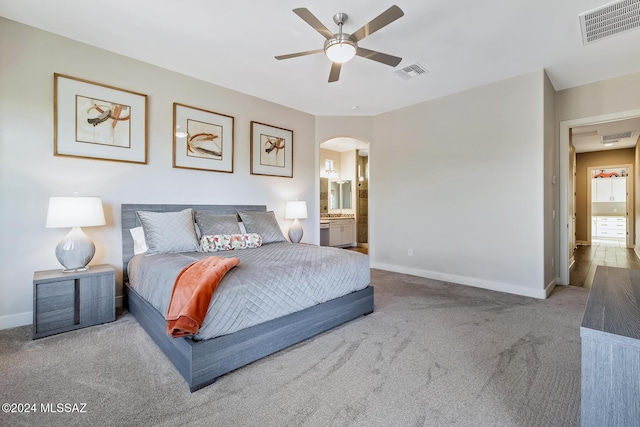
{"points": [[66, 301]]}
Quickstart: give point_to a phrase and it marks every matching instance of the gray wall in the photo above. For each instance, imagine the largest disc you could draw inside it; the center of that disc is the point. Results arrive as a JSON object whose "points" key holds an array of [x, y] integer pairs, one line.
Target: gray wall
{"points": [[459, 181], [30, 174]]}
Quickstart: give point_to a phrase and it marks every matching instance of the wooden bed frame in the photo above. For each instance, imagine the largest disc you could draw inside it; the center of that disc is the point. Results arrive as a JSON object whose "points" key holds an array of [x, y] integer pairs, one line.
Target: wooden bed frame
{"points": [[202, 362]]}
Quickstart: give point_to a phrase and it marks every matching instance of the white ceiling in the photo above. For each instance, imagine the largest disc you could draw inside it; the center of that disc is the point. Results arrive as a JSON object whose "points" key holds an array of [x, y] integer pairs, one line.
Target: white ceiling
{"points": [[463, 44], [344, 144], [589, 138]]}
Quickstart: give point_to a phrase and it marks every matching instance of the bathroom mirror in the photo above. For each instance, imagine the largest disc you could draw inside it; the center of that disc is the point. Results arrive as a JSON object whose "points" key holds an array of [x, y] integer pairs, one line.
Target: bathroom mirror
{"points": [[340, 194], [345, 189], [334, 195]]}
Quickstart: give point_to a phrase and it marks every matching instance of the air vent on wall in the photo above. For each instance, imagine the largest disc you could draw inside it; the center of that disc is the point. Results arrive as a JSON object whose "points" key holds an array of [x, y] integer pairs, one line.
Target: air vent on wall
{"points": [[411, 71], [609, 20], [616, 136]]}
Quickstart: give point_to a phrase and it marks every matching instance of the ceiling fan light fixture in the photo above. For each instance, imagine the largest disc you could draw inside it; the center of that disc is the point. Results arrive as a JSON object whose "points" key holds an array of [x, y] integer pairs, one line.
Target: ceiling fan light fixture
{"points": [[340, 48]]}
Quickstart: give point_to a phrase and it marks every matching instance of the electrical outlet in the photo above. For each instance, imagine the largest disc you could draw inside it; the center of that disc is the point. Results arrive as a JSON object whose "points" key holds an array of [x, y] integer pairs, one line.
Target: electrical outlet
{"points": [[410, 252]]}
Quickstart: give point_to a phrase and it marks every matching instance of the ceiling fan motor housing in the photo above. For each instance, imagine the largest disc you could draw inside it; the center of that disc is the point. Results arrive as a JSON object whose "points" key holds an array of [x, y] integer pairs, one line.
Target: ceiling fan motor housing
{"points": [[340, 39], [343, 47]]}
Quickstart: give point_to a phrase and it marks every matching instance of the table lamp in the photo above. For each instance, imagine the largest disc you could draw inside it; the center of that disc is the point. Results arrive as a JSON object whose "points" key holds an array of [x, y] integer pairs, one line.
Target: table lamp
{"points": [[75, 250], [295, 210]]}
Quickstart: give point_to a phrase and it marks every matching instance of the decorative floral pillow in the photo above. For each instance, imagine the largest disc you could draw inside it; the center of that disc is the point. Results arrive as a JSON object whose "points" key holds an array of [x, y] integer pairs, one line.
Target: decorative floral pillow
{"points": [[230, 242]]}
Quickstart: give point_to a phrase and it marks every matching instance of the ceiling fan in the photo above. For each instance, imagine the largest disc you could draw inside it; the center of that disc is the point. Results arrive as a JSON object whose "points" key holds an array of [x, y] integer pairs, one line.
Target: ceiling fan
{"points": [[341, 47]]}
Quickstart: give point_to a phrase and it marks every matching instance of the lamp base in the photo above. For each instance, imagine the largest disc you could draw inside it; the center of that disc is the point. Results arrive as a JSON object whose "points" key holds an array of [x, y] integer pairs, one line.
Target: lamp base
{"points": [[295, 232], [75, 251]]}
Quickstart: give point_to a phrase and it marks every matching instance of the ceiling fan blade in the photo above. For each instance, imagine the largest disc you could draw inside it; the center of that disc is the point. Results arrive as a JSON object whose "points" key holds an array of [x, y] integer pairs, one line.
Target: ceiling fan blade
{"points": [[382, 20], [310, 19], [295, 55], [378, 56], [334, 75]]}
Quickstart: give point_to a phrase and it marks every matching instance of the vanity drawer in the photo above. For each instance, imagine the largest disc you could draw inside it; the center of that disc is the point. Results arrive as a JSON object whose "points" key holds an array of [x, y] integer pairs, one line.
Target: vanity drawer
{"points": [[341, 221]]}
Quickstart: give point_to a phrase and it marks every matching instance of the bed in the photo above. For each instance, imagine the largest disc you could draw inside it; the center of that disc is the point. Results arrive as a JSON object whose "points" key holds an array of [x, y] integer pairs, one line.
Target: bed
{"points": [[201, 359]]}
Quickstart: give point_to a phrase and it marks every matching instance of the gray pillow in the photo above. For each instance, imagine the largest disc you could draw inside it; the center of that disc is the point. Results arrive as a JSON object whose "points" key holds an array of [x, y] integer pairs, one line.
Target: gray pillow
{"points": [[264, 224], [211, 224], [167, 232]]}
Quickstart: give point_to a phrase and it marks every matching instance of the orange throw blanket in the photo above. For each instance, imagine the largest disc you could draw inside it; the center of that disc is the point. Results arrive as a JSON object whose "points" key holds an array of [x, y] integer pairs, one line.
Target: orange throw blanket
{"points": [[192, 294]]}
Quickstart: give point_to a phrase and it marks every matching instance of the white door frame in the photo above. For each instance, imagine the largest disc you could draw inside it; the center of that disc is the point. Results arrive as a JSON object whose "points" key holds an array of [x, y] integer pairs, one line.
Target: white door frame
{"points": [[565, 128]]}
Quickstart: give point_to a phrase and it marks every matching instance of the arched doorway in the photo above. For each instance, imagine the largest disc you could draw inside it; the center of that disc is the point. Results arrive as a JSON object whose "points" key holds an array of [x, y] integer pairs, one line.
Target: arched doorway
{"points": [[344, 193]]}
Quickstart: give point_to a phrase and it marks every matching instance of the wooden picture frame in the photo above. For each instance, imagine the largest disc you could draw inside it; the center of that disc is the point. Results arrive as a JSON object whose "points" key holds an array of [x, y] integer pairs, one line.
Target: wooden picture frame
{"points": [[271, 150], [97, 121], [202, 139]]}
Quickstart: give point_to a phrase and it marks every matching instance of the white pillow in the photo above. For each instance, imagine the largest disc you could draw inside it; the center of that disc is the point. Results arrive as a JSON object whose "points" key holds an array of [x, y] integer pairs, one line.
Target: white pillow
{"points": [[139, 244]]}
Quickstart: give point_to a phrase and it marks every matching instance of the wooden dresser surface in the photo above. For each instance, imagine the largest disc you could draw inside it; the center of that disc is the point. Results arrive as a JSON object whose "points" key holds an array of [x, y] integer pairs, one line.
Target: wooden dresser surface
{"points": [[610, 335]]}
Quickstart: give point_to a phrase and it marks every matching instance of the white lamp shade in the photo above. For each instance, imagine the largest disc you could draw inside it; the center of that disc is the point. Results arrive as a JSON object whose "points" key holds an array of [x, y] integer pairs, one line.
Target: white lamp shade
{"points": [[340, 52], [296, 210], [65, 212]]}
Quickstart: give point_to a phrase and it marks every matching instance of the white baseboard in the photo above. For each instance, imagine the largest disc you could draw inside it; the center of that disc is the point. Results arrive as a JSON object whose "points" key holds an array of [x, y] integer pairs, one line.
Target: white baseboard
{"points": [[550, 287], [15, 320], [636, 250], [26, 318], [468, 281], [582, 243]]}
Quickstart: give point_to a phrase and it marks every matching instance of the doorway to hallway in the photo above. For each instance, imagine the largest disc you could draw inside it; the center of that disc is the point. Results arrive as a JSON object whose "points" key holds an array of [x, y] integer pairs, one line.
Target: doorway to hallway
{"points": [[567, 220]]}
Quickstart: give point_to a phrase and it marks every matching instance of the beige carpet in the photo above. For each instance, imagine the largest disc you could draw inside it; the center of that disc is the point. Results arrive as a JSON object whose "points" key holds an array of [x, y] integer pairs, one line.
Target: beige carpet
{"points": [[432, 354]]}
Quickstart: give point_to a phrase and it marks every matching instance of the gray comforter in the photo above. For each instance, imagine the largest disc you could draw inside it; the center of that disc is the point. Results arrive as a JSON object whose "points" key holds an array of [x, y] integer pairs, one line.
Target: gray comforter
{"points": [[271, 281]]}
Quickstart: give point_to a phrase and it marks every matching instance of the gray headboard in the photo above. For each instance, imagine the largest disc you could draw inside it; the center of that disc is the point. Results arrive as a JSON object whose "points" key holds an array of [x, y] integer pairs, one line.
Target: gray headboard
{"points": [[130, 220]]}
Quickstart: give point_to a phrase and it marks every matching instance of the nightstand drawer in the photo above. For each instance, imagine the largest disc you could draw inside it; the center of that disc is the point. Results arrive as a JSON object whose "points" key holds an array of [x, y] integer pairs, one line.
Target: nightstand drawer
{"points": [[97, 287], [97, 310], [55, 305]]}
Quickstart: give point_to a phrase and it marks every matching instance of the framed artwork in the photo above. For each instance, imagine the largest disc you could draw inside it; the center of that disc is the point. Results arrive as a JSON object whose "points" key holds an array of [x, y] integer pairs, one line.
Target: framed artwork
{"points": [[271, 150], [96, 121], [202, 139]]}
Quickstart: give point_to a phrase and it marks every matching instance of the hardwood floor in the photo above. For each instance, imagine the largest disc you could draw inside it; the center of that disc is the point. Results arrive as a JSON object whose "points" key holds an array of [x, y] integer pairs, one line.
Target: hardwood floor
{"points": [[601, 252], [362, 250]]}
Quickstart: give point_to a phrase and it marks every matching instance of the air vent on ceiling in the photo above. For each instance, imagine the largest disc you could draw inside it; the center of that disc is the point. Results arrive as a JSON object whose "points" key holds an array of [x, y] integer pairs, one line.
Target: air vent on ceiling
{"points": [[411, 71], [616, 136], [609, 20]]}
